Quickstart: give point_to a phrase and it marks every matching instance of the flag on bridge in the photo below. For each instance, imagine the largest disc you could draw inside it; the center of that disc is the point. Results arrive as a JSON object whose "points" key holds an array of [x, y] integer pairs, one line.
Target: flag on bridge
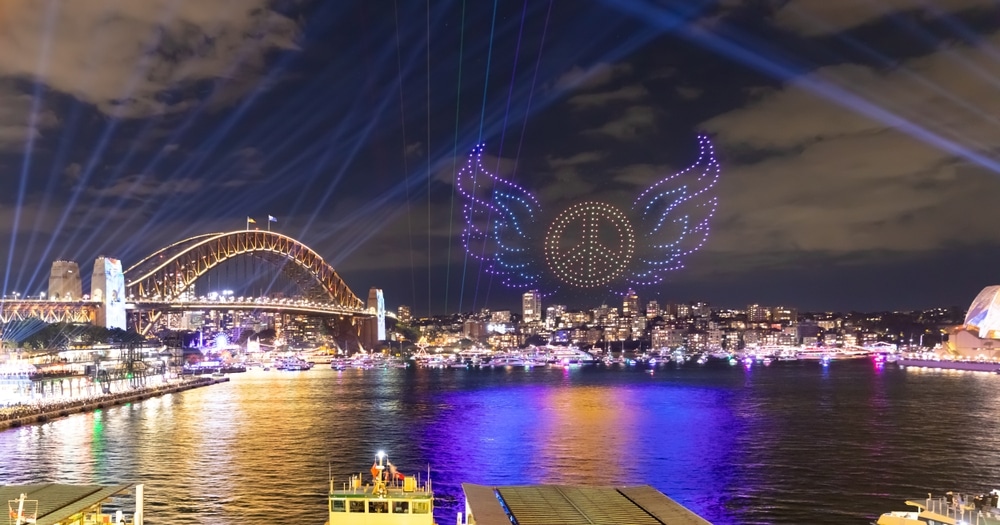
{"points": [[271, 218], [250, 221]]}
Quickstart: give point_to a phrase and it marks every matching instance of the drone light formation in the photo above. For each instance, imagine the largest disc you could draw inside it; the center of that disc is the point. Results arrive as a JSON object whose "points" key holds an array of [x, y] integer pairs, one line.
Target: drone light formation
{"points": [[590, 244], [498, 215], [598, 253], [676, 213]]}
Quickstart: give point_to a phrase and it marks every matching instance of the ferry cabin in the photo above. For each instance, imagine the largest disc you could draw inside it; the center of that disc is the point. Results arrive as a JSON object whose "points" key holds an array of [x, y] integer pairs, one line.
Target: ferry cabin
{"points": [[389, 504]]}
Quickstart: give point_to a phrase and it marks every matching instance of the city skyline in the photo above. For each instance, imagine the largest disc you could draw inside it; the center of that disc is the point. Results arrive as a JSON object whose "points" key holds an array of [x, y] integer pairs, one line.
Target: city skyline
{"points": [[854, 141]]}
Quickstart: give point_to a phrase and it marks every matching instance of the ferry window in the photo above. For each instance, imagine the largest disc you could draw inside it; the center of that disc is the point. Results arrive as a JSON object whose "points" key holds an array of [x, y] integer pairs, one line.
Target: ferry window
{"points": [[400, 507], [338, 505], [378, 507], [420, 507], [357, 506]]}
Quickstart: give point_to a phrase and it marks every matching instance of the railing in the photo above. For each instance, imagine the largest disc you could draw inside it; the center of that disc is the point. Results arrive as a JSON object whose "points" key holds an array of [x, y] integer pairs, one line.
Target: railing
{"points": [[974, 510]]}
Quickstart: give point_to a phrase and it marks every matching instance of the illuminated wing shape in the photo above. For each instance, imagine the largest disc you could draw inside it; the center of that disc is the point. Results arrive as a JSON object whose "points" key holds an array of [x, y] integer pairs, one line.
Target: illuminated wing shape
{"points": [[674, 216], [499, 218]]}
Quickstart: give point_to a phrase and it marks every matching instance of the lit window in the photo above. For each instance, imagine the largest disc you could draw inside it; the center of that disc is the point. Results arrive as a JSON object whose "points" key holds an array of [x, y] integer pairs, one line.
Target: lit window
{"points": [[400, 507], [357, 506], [378, 507], [338, 505], [421, 507]]}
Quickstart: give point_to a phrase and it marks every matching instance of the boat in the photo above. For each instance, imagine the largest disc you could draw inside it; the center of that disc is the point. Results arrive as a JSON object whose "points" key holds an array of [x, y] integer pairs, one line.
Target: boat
{"points": [[951, 509], [293, 363], [390, 498], [60, 504]]}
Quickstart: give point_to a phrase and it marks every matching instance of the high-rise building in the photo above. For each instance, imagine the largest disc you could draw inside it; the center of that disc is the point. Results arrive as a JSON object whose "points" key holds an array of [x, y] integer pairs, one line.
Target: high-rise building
{"points": [[683, 311], [757, 313], [652, 309], [630, 304], [65, 282], [553, 315], [531, 306], [403, 314]]}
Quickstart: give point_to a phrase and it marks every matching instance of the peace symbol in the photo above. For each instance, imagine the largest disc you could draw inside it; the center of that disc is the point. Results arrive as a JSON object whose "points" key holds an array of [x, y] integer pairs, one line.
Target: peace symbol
{"points": [[590, 244]]}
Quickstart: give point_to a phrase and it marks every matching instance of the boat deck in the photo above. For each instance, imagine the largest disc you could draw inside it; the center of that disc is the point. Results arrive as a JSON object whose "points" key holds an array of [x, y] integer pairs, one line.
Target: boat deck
{"points": [[574, 505], [58, 503]]}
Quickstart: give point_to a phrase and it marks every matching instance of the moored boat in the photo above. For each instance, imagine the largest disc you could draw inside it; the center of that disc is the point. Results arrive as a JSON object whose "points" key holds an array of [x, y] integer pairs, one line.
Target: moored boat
{"points": [[390, 498], [951, 509], [59, 504]]}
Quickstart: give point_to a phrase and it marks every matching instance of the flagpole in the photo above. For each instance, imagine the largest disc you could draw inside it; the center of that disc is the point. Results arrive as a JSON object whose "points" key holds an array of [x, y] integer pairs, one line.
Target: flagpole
{"points": [[248, 223], [268, 223]]}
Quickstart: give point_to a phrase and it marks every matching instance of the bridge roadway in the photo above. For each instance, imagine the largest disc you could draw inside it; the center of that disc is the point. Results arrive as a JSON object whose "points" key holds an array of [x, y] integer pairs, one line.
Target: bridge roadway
{"points": [[84, 311]]}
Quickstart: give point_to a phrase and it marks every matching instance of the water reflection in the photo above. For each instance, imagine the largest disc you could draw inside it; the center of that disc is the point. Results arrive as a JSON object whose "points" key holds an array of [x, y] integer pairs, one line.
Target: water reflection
{"points": [[790, 443]]}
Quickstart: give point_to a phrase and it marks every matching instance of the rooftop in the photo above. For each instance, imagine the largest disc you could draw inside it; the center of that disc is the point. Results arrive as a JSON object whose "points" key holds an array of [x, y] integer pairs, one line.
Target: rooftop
{"points": [[573, 505], [57, 503]]}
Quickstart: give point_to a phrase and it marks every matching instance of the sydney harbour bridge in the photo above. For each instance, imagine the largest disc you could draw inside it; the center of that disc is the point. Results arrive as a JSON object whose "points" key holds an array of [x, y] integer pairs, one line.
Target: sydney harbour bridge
{"points": [[162, 283]]}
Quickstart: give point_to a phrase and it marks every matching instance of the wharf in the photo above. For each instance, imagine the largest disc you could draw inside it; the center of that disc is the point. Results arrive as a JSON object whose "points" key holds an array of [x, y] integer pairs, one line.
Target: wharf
{"points": [[41, 413], [573, 505]]}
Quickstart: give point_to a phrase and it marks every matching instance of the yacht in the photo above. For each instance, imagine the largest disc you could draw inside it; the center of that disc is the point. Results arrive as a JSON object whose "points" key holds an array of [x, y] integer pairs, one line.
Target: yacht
{"points": [[293, 363], [388, 497], [951, 509]]}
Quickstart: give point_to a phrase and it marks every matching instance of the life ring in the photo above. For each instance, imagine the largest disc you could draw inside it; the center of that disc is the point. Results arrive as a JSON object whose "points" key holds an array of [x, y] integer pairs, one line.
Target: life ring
{"points": [[24, 517]]}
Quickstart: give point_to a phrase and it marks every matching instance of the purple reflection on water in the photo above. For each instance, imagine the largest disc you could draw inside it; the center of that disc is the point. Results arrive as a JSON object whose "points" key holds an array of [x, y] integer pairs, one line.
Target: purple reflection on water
{"points": [[581, 431]]}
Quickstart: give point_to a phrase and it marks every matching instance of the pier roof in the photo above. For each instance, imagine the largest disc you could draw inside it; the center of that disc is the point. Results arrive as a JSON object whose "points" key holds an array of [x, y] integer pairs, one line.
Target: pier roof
{"points": [[572, 505], [56, 503]]}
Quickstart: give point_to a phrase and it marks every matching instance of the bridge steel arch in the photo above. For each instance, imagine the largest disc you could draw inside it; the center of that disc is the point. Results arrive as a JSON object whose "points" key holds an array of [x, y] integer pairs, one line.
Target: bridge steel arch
{"points": [[167, 273]]}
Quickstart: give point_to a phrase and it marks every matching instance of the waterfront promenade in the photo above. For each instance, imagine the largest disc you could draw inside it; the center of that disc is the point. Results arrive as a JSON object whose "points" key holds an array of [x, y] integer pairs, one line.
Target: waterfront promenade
{"points": [[27, 414]]}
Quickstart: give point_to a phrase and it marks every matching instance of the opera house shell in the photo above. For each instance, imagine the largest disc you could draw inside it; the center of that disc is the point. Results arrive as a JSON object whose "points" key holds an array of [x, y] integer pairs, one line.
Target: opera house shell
{"points": [[980, 334]]}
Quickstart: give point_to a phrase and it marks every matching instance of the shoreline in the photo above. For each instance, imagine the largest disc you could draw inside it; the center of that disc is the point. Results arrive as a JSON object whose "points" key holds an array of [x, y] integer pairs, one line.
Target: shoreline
{"points": [[43, 414]]}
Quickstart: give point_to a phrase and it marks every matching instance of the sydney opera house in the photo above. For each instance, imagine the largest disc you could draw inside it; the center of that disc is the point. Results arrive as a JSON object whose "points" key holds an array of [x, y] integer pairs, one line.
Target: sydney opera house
{"points": [[980, 334]]}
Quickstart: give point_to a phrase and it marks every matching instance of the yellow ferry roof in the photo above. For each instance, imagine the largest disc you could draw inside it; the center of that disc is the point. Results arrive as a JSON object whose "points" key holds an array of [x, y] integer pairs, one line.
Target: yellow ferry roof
{"points": [[56, 502], [575, 505]]}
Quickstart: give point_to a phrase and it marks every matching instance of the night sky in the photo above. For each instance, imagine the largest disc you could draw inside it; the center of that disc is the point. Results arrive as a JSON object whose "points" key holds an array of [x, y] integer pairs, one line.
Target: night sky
{"points": [[857, 139]]}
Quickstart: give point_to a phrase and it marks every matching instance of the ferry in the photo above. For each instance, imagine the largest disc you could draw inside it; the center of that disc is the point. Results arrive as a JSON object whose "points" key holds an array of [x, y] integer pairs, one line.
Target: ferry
{"points": [[951, 509], [390, 498]]}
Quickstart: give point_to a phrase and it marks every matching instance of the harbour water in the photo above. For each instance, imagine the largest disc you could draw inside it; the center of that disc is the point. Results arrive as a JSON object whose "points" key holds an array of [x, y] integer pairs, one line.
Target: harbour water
{"points": [[792, 443]]}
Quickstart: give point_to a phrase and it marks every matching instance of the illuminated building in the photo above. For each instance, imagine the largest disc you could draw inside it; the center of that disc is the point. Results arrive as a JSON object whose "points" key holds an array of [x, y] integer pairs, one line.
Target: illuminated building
{"points": [[553, 315], [403, 314], [637, 326], [757, 313], [701, 309], [781, 314], [500, 316], [630, 304], [531, 306], [65, 282], [683, 311], [652, 309], [474, 329]]}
